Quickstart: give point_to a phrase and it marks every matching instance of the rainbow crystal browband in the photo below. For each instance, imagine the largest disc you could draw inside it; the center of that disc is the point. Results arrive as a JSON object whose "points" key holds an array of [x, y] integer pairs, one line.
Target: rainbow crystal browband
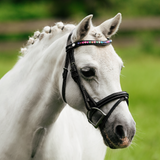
{"points": [[93, 42], [88, 42]]}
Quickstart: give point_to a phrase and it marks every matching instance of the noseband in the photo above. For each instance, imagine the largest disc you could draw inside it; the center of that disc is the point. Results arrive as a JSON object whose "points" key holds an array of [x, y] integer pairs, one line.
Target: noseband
{"points": [[91, 106]]}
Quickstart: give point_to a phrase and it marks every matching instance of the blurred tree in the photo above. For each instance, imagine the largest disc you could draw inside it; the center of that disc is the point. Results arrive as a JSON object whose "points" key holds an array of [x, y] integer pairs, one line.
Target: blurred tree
{"points": [[67, 8], [78, 9]]}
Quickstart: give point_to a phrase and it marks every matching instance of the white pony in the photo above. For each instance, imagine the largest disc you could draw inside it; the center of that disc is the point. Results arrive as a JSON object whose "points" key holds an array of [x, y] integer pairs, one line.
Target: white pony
{"points": [[31, 97]]}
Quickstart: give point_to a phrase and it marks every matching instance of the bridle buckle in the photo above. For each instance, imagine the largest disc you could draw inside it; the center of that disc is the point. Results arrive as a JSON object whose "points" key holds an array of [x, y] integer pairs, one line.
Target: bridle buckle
{"points": [[92, 112]]}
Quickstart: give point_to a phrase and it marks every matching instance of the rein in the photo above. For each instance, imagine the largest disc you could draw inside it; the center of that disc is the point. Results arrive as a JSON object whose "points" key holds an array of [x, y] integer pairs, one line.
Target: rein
{"points": [[91, 106]]}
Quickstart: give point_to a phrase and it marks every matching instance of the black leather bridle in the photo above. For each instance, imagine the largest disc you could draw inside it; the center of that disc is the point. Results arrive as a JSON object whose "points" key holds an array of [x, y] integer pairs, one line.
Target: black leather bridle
{"points": [[91, 106]]}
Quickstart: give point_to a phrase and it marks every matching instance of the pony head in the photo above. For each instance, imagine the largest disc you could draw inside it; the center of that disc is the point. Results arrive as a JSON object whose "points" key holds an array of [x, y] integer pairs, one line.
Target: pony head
{"points": [[99, 69]]}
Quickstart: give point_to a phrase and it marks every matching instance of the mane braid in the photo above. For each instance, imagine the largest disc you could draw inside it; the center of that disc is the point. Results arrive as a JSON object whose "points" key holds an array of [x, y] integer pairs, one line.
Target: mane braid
{"points": [[46, 37]]}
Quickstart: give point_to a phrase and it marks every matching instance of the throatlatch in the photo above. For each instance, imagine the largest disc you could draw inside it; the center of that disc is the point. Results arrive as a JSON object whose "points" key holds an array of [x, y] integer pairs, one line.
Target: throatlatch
{"points": [[92, 106]]}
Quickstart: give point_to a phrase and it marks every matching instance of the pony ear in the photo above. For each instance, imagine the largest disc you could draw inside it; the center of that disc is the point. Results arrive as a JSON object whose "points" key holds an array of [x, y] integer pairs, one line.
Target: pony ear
{"points": [[110, 27], [82, 28]]}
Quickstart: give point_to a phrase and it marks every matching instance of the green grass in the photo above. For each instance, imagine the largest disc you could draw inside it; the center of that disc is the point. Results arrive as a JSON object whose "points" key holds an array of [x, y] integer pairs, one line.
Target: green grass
{"points": [[7, 61], [22, 11], [141, 79]]}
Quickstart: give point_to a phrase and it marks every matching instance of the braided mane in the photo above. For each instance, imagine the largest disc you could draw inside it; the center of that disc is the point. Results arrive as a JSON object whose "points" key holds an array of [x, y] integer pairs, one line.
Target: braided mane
{"points": [[46, 37]]}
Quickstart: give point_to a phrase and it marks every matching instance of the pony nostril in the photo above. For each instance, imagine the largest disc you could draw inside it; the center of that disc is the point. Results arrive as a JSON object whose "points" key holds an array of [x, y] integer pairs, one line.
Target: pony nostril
{"points": [[119, 131]]}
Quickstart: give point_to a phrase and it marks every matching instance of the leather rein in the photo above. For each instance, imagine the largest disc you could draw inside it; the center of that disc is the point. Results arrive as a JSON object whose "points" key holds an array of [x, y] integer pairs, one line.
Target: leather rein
{"points": [[92, 106]]}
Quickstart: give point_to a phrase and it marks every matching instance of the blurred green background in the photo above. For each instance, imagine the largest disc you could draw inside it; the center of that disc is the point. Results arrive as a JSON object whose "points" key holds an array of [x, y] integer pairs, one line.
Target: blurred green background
{"points": [[137, 42]]}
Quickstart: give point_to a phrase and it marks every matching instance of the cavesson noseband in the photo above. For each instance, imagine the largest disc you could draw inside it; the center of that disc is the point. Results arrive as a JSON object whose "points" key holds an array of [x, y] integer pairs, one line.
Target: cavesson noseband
{"points": [[92, 106]]}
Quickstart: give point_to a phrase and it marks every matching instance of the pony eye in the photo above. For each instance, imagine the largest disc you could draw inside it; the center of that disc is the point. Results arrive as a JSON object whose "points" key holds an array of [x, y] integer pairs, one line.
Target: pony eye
{"points": [[88, 72]]}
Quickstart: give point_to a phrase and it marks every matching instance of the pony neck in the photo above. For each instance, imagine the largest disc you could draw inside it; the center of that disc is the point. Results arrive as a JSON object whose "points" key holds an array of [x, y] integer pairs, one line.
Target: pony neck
{"points": [[32, 86], [49, 69], [54, 58]]}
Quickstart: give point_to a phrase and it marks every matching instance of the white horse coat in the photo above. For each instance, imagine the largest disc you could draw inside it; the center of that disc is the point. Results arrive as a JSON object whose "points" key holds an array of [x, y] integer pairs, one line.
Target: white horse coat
{"points": [[31, 99], [71, 137]]}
